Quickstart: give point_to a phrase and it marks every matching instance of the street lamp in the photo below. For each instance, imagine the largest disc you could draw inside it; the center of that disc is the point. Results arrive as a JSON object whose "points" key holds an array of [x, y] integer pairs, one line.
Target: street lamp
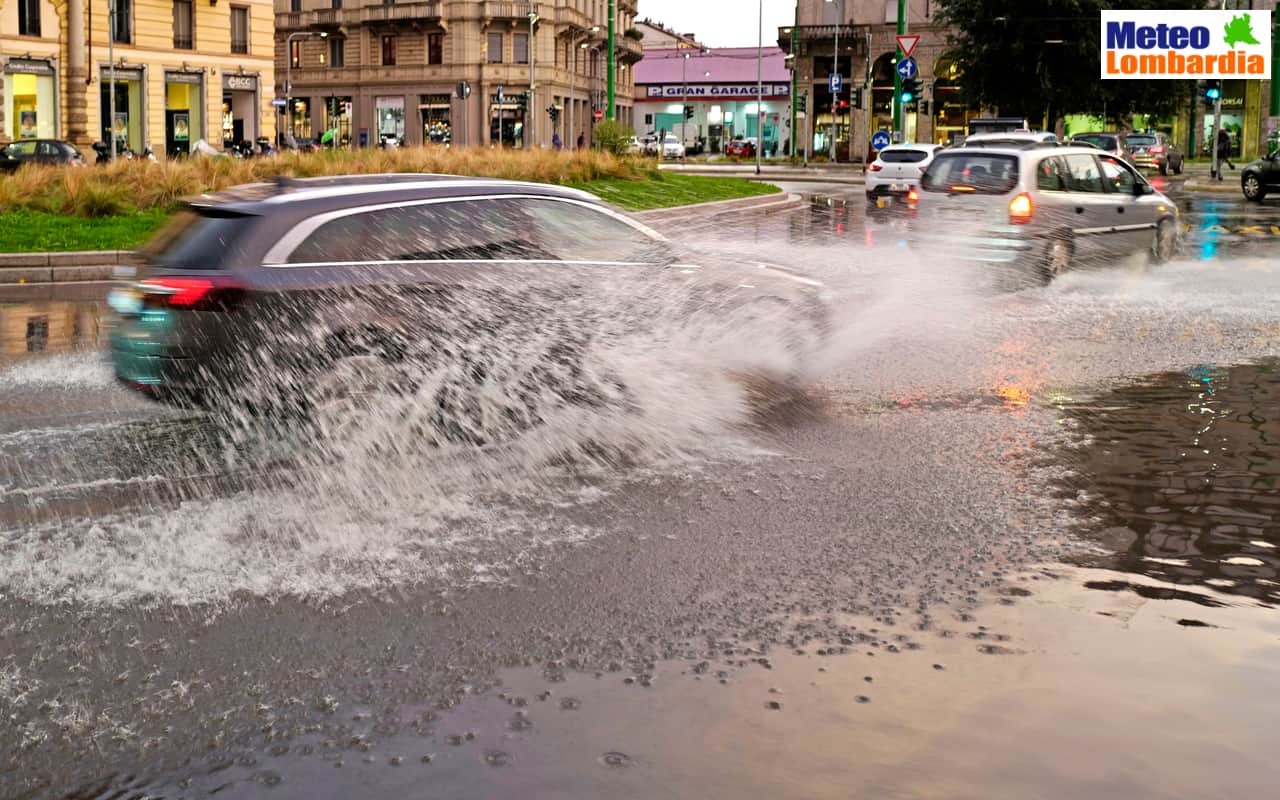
{"points": [[835, 69], [573, 72], [530, 112], [760, 87], [288, 71]]}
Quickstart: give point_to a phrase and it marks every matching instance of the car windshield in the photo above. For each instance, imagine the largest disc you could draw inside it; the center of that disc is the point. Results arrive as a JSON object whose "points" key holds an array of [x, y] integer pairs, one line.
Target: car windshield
{"points": [[983, 173], [1105, 142], [1141, 141], [203, 239], [903, 156]]}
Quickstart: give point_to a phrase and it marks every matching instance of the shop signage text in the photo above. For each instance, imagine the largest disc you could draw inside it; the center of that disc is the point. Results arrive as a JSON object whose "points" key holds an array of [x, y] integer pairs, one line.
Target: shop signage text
{"points": [[732, 90], [241, 83], [28, 66]]}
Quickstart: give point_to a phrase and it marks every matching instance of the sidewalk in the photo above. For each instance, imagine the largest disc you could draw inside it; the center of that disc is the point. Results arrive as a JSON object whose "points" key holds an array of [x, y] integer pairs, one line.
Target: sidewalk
{"points": [[850, 174]]}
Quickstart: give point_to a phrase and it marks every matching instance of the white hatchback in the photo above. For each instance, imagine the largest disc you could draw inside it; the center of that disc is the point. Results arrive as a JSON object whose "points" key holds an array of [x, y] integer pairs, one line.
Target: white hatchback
{"points": [[897, 170]]}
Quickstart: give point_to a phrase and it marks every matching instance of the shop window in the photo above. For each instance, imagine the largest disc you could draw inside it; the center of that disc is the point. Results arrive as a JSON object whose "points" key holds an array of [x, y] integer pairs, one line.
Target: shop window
{"points": [[337, 52], [435, 48], [295, 54], [495, 48], [37, 334], [183, 30], [122, 25], [388, 51], [28, 17], [520, 48], [239, 29]]}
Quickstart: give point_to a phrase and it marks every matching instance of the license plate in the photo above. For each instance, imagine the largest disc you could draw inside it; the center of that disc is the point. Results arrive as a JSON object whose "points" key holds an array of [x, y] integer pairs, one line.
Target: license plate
{"points": [[899, 187], [125, 301]]}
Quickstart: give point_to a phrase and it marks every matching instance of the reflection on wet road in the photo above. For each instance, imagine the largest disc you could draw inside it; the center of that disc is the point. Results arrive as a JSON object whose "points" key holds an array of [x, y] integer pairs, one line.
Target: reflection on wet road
{"points": [[1183, 471], [886, 585]]}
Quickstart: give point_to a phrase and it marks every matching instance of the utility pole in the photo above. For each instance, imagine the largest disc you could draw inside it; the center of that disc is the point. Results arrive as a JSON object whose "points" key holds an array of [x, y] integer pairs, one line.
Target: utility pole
{"points": [[898, 122], [613, 55], [795, 76], [760, 116], [531, 107], [111, 70], [1216, 169], [835, 70]]}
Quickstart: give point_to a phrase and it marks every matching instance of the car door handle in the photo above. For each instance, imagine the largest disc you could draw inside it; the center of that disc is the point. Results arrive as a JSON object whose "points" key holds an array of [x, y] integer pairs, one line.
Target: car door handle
{"points": [[1079, 209], [1120, 209]]}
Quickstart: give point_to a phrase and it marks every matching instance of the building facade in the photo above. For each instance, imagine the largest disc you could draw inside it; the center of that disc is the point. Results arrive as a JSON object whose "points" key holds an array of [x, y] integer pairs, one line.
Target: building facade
{"points": [[365, 72], [184, 70], [719, 88], [657, 36]]}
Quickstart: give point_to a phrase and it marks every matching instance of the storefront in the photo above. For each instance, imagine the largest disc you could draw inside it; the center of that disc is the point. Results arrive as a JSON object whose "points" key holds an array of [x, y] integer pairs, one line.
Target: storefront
{"points": [[129, 90], [31, 99], [239, 109], [183, 111], [434, 113], [299, 122], [1233, 118], [389, 113], [337, 121], [506, 122]]}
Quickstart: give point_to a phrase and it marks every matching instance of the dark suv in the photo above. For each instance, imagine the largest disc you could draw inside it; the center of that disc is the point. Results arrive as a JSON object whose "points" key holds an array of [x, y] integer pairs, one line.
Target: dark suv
{"points": [[255, 295], [1155, 151]]}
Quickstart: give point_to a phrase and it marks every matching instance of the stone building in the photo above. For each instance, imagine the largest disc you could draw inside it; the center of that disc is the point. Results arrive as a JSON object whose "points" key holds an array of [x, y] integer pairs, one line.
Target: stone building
{"points": [[376, 71], [659, 37], [184, 70]]}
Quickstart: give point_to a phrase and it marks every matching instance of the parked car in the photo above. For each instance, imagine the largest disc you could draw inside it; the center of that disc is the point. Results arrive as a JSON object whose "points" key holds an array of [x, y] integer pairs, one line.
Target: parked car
{"points": [[39, 151], [649, 145], [1260, 178], [741, 148], [1117, 144], [897, 170], [267, 296], [1155, 151], [1041, 210], [634, 146], [1011, 139], [672, 147]]}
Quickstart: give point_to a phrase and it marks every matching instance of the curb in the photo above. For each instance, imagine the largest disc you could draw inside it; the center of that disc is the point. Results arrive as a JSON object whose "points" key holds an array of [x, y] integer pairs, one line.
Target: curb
{"points": [[1216, 187], [772, 202]]}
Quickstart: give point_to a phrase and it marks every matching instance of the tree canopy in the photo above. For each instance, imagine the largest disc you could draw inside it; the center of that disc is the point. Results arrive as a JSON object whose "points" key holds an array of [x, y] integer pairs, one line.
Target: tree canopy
{"points": [[1040, 58]]}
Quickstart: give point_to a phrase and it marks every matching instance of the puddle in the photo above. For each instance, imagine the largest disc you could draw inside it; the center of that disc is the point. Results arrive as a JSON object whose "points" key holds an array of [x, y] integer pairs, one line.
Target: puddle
{"points": [[1182, 474]]}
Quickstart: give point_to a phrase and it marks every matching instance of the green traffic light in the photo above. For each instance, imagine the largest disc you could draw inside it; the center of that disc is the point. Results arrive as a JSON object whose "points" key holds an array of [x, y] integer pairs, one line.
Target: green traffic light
{"points": [[907, 97], [1213, 94]]}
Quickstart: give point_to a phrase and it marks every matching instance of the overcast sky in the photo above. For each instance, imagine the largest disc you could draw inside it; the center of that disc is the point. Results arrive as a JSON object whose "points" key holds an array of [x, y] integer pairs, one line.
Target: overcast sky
{"points": [[721, 23]]}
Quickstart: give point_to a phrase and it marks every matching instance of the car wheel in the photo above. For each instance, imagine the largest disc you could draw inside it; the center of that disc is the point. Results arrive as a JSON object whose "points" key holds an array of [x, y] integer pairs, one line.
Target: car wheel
{"points": [[1165, 244], [1251, 185], [1178, 169], [1056, 260]]}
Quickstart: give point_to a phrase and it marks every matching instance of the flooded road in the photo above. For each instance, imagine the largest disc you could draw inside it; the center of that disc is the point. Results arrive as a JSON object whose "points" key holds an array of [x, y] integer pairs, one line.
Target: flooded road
{"points": [[1002, 545]]}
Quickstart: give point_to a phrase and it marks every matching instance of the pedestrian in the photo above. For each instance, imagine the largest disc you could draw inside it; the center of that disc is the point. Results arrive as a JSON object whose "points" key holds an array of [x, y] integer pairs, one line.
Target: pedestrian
{"points": [[556, 141], [1224, 150], [582, 139]]}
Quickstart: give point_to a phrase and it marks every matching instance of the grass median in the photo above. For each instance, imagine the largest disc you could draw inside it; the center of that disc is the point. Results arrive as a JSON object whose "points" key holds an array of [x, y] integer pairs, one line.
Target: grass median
{"points": [[117, 207]]}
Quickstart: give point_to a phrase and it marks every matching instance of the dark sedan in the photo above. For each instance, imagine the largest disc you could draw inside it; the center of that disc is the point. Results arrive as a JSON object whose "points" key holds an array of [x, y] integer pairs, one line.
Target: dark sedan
{"points": [[1260, 178], [38, 151], [256, 297], [1155, 151]]}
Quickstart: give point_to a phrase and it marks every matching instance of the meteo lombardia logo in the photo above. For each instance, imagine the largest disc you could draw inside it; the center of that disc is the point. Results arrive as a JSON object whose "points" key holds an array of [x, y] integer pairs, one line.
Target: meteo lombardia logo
{"points": [[1186, 44]]}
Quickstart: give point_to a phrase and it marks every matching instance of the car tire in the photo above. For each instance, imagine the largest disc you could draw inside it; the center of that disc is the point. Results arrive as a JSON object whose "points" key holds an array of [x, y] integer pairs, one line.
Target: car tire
{"points": [[1251, 186], [1164, 246], [1178, 169], [1055, 261]]}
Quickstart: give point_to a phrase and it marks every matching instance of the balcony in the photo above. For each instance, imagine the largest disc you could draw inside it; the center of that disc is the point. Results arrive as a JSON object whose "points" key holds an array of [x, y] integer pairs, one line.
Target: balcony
{"points": [[400, 12], [629, 50], [505, 9], [573, 18], [853, 38], [306, 20]]}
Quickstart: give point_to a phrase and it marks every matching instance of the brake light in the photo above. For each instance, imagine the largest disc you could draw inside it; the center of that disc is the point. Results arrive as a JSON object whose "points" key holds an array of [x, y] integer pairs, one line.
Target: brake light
{"points": [[874, 167], [913, 196], [1020, 209], [1159, 148], [960, 187], [205, 294]]}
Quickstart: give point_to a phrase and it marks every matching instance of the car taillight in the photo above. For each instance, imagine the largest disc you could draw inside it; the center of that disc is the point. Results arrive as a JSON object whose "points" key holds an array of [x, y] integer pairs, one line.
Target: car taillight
{"points": [[874, 167], [197, 294], [913, 196], [1159, 148], [1020, 209]]}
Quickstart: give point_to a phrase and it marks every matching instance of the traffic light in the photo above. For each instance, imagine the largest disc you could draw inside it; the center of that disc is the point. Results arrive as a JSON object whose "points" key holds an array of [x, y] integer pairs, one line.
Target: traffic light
{"points": [[522, 101], [911, 90], [688, 112], [924, 107], [553, 112], [1212, 92], [857, 98]]}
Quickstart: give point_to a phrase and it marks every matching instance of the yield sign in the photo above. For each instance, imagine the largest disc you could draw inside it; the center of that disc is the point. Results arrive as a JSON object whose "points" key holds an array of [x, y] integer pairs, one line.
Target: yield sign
{"points": [[908, 44]]}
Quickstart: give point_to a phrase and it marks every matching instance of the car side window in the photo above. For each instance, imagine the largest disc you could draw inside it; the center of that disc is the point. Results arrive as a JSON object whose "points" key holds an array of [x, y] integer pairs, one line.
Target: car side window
{"points": [[573, 232], [1118, 176], [21, 150], [461, 230], [47, 150], [1082, 174], [1050, 175]]}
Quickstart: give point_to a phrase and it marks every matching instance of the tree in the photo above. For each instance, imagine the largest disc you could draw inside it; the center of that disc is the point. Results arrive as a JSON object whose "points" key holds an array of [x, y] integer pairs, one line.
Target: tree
{"points": [[1039, 58]]}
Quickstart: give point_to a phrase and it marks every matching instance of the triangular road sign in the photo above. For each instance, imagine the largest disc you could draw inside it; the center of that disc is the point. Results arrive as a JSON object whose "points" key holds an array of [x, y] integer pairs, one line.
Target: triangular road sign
{"points": [[908, 44]]}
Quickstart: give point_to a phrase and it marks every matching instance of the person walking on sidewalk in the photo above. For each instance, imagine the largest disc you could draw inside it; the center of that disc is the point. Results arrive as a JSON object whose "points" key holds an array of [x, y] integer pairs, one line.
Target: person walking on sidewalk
{"points": [[1224, 151]]}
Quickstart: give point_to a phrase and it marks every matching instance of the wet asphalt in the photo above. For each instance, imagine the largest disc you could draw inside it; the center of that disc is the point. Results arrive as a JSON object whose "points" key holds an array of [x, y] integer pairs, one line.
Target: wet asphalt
{"points": [[998, 544]]}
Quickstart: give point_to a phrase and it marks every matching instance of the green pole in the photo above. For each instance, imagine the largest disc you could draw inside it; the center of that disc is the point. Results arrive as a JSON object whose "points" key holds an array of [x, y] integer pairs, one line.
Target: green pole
{"points": [[1275, 63], [795, 73], [897, 78], [613, 56]]}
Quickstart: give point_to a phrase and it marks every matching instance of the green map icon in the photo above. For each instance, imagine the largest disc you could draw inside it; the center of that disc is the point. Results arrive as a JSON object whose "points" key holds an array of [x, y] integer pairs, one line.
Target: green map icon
{"points": [[1239, 31]]}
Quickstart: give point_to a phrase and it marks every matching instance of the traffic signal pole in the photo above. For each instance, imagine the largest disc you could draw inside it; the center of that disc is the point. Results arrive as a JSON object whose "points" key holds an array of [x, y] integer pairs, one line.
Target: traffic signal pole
{"points": [[613, 57], [795, 83], [897, 76]]}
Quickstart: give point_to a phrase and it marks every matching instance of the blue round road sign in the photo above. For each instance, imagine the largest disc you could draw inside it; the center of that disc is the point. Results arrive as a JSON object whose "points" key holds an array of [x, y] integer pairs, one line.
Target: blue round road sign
{"points": [[880, 140], [908, 68]]}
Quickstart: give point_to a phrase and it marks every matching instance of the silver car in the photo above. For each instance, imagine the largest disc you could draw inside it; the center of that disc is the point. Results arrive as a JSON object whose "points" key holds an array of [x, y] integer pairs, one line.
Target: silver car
{"points": [[1041, 209]]}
